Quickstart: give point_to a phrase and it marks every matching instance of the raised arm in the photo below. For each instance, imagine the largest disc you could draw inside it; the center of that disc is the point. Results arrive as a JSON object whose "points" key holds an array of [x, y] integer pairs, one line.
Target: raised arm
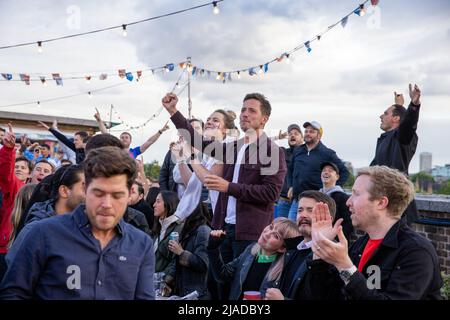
{"points": [[408, 126], [154, 138], [58, 134], [100, 122], [189, 134]]}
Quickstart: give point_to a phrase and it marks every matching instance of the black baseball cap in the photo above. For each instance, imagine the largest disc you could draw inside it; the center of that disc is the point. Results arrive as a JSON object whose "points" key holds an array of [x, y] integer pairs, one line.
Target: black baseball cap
{"points": [[331, 164]]}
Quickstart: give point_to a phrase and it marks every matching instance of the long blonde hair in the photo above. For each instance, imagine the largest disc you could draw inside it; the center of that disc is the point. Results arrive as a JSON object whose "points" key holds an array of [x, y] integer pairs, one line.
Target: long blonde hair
{"points": [[287, 229], [20, 203]]}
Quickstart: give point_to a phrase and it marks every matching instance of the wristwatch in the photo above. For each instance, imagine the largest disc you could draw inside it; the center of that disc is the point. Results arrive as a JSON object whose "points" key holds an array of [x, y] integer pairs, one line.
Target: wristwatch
{"points": [[346, 274]]}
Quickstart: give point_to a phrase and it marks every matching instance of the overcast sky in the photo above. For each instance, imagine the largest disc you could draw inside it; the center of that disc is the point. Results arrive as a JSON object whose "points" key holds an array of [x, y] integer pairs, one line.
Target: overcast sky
{"points": [[345, 82]]}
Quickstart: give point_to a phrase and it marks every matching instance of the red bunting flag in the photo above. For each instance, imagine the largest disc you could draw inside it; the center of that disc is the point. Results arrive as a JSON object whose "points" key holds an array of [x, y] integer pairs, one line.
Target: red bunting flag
{"points": [[26, 78]]}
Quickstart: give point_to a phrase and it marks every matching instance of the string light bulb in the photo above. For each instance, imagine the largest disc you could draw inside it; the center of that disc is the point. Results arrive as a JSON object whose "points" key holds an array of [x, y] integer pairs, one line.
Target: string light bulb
{"points": [[39, 43], [89, 95], [216, 9], [238, 74], [124, 30]]}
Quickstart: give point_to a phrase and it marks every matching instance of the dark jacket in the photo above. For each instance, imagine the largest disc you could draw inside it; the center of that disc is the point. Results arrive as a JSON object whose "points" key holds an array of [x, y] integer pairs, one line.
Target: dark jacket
{"points": [[41, 210], [190, 270], [342, 211], [260, 179], [79, 153], [288, 152], [396, 148], [166, 174], [136, 219], [144, 207], [163, 256], [409, 270], [305, 169], [235, 271], [294, 268]]}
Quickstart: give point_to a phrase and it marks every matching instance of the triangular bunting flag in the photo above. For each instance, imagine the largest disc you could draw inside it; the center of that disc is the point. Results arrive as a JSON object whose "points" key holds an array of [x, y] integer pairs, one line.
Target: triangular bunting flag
{"points": [[344, 21], [42, 80], [122, 73], [266, 68], [170, 66], [57, 78], [7, 76], [26, 78], [374, 2], [103, 76], [129, 76]]}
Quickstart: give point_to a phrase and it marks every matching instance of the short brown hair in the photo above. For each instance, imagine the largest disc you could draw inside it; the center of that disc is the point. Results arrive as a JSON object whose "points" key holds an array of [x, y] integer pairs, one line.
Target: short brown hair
{"points": [[28, 162], [320, 197], [106, 162], [392, 184], [266, 109]]}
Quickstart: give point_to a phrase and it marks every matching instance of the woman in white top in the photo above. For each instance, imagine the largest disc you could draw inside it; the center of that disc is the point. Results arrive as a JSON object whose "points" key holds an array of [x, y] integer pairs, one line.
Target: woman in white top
{"points": [[220, 127]]}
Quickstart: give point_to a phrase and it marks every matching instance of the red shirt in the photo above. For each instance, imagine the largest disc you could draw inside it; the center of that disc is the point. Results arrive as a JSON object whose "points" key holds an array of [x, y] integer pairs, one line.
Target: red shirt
{"points": [[370, 248]]}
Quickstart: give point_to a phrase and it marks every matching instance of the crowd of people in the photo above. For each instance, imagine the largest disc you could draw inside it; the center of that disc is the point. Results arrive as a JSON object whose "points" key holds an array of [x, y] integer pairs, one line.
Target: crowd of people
{"points": [[233, 213]]}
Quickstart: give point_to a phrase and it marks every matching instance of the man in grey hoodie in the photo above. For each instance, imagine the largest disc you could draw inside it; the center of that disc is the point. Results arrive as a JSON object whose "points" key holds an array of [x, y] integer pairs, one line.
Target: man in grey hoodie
{"points": [[329, 177]]}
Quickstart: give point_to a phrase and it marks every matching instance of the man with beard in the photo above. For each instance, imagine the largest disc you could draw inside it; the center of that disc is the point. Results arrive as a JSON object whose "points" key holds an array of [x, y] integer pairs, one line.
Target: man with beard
{"points": [[299, 248], [305, 170], [295, 138], [13, 175]]}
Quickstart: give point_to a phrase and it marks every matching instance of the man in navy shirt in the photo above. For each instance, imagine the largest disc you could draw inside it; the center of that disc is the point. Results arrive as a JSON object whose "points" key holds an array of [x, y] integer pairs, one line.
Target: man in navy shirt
{"points": [[90, 253]]}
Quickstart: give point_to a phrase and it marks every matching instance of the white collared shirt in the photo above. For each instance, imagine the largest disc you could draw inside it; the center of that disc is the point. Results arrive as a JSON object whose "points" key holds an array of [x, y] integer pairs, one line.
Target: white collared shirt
{"points": [[304, 245]]}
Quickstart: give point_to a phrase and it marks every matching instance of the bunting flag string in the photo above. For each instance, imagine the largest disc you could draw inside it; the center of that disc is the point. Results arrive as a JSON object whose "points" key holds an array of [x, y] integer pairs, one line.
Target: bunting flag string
{"points": [[197, 71], [128, 127], [89, 93]]}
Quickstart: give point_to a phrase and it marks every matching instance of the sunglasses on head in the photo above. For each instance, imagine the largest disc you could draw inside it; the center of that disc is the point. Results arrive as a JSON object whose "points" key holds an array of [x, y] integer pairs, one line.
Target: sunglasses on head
{"points": [[36, 150]]}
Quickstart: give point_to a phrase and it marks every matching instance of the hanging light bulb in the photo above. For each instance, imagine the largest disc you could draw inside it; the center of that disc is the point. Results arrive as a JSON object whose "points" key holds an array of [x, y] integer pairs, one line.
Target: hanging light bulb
{"points": [[238, 74], [216, 9], [39, 46], [190, 68], [124, 30], [218, 76], [90, 95], [39, 104]]}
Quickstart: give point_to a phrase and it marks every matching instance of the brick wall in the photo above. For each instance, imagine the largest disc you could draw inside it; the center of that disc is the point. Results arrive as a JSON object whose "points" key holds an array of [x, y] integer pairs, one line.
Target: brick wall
{"points": [[436, 207]]}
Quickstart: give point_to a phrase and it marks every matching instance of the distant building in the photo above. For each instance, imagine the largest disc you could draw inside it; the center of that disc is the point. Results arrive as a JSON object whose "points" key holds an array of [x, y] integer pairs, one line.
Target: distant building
{"points": [[426, 162], [442, 172]]}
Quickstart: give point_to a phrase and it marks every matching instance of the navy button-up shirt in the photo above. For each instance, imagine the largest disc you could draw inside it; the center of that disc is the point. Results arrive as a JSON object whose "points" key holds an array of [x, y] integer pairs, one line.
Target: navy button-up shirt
{"points": [[59, 258]]}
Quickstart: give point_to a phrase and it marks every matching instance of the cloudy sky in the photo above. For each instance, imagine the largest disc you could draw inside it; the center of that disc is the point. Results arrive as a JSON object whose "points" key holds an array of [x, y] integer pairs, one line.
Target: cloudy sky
{"points": [[345, 82]]}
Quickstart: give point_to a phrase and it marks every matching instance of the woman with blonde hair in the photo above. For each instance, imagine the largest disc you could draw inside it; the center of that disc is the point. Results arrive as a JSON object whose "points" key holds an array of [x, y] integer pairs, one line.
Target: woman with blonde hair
{"points": [[260, 265], [20, 204]]}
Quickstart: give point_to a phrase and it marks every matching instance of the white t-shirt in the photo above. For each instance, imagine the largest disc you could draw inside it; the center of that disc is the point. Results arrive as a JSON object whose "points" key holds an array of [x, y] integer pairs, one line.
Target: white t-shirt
{"points": [[231, 207]]}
